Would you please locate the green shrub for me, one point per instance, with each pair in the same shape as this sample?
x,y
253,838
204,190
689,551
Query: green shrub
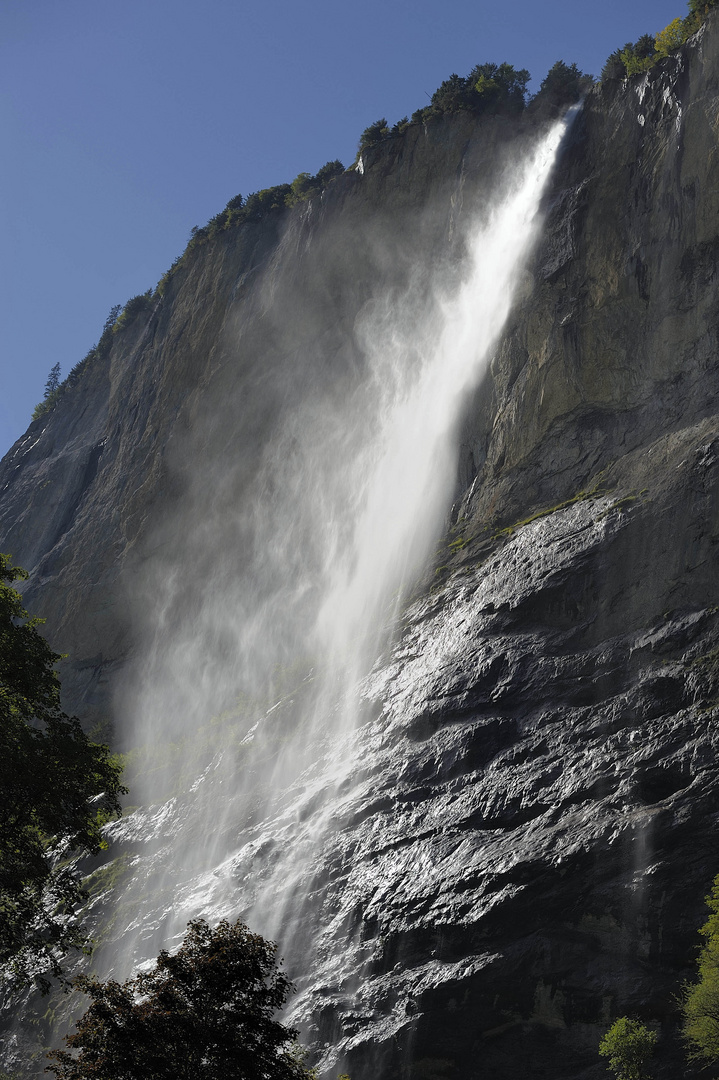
x,y
302,187
329,172
253,208
670,38
636,58
266,201
45,405
700,1000
629,1045
135,306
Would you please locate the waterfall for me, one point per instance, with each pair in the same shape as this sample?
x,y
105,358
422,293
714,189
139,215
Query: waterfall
x,y
276,588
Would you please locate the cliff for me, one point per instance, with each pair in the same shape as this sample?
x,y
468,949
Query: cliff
x,y
523,848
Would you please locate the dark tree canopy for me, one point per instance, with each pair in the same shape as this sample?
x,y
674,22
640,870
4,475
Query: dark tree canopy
x,y
564,84
374,133
329,171
205,1012
53,381
500,85
700,1000
488,88
57,789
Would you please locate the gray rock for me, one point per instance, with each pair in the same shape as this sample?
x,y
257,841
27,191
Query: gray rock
x,y
523,852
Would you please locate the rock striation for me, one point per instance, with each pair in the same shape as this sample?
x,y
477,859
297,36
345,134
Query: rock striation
x,y
523,853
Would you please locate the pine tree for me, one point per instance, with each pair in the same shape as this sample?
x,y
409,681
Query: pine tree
x,y
53,381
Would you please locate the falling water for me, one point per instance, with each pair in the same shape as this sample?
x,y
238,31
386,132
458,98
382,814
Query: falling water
x,y
286,570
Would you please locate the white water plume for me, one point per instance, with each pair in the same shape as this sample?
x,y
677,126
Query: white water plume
x,y
291,554
405,478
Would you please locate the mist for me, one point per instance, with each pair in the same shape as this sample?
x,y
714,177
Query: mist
x,y
314,483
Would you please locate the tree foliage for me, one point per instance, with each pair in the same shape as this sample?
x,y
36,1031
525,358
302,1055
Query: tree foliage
x,y
135,306
491,88
488,88
205,1012
700,1000
629,1045
500,86
255,207
52,392
57,789
633,59
564,84
374,133
117,320
670,38
53,381
112,317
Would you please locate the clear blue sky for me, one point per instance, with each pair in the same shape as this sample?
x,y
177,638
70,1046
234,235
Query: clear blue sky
x,y
125,123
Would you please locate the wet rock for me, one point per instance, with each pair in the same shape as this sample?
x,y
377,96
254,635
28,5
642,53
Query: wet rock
x,y
520,849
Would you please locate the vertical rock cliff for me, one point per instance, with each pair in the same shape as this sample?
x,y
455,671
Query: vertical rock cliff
x,y
522,850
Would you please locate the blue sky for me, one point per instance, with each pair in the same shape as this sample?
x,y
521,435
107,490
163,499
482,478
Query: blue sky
x,y
126,123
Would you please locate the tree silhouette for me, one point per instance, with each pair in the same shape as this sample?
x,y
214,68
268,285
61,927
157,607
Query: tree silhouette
x,y
203,1013
53,381
56,790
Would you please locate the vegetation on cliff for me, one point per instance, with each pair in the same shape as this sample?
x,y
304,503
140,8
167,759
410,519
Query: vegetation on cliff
x,y
700,1000
119,319
240,210
629,1045
205,1011
639,56
57,789
488,89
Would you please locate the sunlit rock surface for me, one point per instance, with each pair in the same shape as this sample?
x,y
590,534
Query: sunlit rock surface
x,y
524,824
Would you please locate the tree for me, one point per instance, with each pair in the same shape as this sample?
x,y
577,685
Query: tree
x,y
53,381
488,87
614,68
302,187
500,85
203,1013
57,789
628,1045
644,47
266,201
637,62
113,316
564,84
670,38
454,94
700,1000
329,171
374,133
135,306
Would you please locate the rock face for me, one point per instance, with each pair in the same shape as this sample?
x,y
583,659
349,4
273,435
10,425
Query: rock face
x,y
523,852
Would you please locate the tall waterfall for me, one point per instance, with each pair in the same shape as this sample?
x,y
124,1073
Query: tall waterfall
x,y
272,594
